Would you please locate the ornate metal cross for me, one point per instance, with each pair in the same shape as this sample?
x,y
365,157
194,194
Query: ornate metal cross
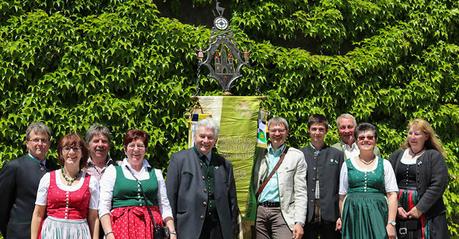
x,y
222,57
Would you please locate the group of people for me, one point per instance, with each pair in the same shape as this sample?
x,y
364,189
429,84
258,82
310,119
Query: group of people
x,y
92,196
345,190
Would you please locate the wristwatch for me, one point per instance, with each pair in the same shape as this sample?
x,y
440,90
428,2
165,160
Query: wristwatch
x,y
392,222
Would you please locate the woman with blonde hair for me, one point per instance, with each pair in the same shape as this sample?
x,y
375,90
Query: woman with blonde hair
x,y
422,177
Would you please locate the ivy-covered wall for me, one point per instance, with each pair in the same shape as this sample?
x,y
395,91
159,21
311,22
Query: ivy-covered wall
x,y
127,64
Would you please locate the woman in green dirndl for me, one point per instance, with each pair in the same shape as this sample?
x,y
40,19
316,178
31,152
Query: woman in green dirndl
x,y
368,191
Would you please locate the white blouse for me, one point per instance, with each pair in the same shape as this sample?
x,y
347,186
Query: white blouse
x,y
107,184
390,181
408,159
42,192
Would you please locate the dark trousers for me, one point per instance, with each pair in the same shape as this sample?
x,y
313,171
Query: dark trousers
x,y
322,230
211,229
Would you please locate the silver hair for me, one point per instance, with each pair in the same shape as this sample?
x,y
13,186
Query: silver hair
x,y
37,127
278,120
211,124
96,129
346,116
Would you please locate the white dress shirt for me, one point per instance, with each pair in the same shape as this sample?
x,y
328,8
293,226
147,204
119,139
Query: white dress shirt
x,y
351,151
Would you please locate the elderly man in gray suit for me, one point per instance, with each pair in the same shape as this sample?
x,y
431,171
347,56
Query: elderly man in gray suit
x,y
201,189
281,188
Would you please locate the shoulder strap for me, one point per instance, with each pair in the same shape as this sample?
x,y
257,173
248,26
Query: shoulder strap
x,y
152,219
263,185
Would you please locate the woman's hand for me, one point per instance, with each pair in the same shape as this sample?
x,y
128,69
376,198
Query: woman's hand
x,y
170,225
110,236
401,213
391,231
414,213
37,218
338,225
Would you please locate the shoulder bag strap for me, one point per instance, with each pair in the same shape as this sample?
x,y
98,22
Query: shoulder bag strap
x,y
263,185
152,219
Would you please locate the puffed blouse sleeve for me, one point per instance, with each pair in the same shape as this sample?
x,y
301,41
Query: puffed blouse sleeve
x,y
343,180
42,192
107,183
390,181
164,205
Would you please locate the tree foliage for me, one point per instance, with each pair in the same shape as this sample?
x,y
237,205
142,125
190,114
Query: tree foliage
x,y
127,65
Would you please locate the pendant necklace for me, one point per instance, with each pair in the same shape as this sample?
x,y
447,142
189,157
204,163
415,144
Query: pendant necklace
x,y
417,153
71,179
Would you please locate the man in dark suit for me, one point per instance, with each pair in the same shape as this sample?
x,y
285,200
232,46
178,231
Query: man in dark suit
x,y
201,189
324,165
19,181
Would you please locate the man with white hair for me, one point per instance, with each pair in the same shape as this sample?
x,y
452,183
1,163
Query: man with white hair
x,y
346,124
201,189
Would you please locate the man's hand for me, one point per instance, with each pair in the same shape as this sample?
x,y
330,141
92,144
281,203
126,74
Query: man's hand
x,y
297,231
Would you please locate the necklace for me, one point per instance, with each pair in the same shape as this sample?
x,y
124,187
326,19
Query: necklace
x,y
70,180
417,153
366,162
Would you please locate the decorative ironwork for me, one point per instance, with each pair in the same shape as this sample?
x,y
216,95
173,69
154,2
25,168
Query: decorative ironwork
x,y
222,58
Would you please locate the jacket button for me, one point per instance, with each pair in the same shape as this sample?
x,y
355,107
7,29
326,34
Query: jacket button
x,y
202,216
204,203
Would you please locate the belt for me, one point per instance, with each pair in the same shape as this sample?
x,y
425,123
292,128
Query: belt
x,y
269,204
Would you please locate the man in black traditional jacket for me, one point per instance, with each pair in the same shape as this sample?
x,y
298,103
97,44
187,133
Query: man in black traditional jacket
x,y
324,165
19,181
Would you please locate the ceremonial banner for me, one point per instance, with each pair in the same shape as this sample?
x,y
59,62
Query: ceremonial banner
x,y
262,144
237,117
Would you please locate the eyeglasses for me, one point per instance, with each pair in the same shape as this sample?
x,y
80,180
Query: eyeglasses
x,y
277,130
133,145
416,133
68,148
369,137
38,140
